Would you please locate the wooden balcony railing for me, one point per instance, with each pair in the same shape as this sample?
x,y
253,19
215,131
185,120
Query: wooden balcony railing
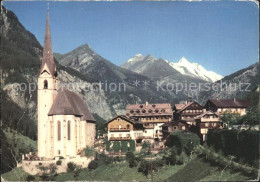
x,y
120,138
119,129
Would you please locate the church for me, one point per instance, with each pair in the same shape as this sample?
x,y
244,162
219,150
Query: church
x,y
65,125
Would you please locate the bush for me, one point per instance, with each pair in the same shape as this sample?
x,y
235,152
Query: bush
x,y
144,167
71,167
132,160
108,146
58,162
89,152
124,146
30,178
182,158
146,145
116,146
132,145
184,141
170,156
93,165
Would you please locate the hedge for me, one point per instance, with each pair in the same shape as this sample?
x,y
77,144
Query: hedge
x,y
244,145
123,146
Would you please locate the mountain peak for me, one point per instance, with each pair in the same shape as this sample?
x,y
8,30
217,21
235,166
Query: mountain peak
x,y
183,60
137,57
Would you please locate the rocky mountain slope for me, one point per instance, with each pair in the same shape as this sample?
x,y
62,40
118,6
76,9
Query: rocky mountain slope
x,y
20,61
183,68
235,85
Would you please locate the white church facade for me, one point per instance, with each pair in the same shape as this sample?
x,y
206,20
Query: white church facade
x,y
65,125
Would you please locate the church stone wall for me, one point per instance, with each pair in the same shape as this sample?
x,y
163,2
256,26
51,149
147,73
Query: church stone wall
x,y
32,167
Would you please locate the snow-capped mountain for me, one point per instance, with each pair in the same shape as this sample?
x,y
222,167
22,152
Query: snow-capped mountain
x,y
194,69
139,63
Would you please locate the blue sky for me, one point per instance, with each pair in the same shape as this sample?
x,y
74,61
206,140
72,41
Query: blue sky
x,y
221,36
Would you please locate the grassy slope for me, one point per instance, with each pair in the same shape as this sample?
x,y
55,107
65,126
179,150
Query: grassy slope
x,y
199,170
196,169
22,141
119,172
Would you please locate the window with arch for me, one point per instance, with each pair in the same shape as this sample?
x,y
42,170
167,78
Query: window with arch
x,y
59,128
45,84
68,130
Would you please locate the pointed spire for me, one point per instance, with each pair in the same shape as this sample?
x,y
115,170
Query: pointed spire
x,y
47,57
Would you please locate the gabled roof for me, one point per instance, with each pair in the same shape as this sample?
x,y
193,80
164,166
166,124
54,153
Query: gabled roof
x,y
187,105
70,103
230,103
206,113
125,118
179,106
47,57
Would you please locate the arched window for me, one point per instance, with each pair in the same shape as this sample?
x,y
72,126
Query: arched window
x,y
45,84
68,130
59,128
128,126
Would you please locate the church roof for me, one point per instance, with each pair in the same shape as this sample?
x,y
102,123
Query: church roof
x,y
47,57
70,103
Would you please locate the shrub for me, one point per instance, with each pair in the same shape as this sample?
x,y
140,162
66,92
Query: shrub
x,y
182,158
89,152
144,167
30,178
58,162
71,167
93,165
132,160
183,141
116,146
132,145
124,146
146,145
108,146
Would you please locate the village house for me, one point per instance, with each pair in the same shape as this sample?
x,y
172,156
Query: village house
x,y
123,128
207,120
187,111
153,116
220,106
172,126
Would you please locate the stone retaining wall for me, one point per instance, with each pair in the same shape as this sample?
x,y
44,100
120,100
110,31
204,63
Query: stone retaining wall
x,y
32,167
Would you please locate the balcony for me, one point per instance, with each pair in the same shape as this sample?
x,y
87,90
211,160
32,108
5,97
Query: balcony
x,y
120,138
148,127
119,129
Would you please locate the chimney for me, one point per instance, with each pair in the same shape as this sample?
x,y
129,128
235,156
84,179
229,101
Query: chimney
x,y
146,103
204,110
235,99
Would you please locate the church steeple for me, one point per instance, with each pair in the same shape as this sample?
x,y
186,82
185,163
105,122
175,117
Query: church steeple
x,y
47,58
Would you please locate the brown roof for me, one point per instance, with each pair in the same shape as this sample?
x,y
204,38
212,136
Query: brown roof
x,y
179,106
230,103
206,113
47,57
187,105
149,109
70,103
125,118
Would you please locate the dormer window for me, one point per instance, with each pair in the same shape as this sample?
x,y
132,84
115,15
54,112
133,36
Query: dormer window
x,y
141,106
45,84
143,110
153,105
